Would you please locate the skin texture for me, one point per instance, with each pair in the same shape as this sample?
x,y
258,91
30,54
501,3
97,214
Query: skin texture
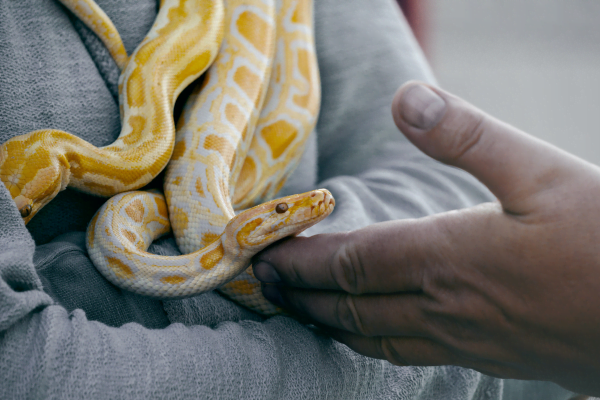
x,y
508,288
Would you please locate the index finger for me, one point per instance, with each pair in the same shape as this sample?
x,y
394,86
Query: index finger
x,y
396,256
382,258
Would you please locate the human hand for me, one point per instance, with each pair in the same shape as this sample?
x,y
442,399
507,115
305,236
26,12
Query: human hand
x,y
511,289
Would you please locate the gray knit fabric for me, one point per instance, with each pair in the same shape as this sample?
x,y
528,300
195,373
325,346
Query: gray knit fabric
x,y
65,332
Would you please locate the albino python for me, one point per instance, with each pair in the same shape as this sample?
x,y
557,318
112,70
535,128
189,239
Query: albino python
x,y
242,131
228,129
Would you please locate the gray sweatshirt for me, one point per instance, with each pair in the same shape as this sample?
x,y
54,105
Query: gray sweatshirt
x,y
65,332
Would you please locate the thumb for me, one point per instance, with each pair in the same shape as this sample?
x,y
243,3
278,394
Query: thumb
x,y
512,164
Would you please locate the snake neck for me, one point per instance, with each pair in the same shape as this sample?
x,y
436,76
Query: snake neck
x,y
121,231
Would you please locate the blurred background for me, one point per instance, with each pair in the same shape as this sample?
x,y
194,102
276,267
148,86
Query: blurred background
x,y
533,63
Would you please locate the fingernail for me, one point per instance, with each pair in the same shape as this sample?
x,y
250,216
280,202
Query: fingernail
x,y
265,272
273,294
421,107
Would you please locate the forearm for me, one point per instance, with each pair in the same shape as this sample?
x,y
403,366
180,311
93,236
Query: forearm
x,y
56,354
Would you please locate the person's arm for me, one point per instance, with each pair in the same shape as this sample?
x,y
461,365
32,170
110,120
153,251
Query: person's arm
x,y
509,288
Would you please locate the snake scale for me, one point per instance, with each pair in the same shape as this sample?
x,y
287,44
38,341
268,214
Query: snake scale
x,y
240,136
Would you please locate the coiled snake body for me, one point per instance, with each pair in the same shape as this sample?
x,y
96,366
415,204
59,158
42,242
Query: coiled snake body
x,y
36,166
241,134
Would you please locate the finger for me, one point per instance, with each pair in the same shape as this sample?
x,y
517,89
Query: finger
x,y
509,162
403,351
389,257
367,315
419,351
383,258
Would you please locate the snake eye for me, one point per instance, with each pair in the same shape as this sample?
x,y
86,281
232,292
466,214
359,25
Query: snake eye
x,y
281,208
25,211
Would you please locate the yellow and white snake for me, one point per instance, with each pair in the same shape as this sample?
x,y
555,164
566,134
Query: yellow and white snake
x,y
240,136
36,166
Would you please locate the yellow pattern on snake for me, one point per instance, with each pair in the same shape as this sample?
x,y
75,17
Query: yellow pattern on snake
x,y
290,111
181,45
287,118
213,136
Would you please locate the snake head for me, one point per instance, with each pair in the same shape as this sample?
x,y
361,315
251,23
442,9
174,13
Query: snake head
x,y
258,227
32,171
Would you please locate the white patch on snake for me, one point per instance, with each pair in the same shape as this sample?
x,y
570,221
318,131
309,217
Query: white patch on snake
x,y
275,87
85,8
289,26
203,114
295,90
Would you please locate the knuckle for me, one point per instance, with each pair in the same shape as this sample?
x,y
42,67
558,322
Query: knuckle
x,y
348,270
458,327
349,317
292,274
391,351
296,300
468,136
416,352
